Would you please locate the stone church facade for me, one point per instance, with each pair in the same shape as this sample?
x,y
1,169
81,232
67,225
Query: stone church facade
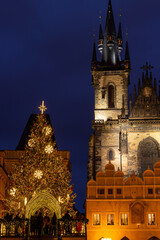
x,y
126,128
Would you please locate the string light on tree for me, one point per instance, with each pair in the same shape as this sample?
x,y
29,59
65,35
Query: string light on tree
x,y
47,130
31,142
38,174
12,192
49,149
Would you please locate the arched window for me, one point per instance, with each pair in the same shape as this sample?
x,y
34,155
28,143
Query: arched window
x,y
111,157
147,153
111,90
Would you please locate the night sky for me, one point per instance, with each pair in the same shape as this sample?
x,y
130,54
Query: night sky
x,y
45,54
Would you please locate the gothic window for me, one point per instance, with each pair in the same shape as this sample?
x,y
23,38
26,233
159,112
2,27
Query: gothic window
x,y
103,93
110,155
147,153
111,92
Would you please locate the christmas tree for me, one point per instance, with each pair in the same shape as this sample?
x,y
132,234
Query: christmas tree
x,y
40,165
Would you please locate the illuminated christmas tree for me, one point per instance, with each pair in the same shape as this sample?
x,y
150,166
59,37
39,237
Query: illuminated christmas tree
x,y
40,167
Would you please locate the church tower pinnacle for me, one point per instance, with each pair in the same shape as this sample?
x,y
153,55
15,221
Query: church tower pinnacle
x,y
110,79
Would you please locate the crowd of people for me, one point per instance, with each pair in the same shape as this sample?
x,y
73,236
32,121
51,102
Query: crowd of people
x,y
43,224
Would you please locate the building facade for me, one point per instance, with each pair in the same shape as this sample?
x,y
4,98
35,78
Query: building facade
x,y
126,128
124,208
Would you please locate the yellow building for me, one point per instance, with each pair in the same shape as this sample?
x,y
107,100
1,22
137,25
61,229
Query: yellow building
x,y
123,208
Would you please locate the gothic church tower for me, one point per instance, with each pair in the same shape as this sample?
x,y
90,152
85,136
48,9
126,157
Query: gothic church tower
x,y
129,138
110,79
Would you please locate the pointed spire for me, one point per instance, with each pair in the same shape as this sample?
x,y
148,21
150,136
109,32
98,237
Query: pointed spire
x,y
135,93
143,80
94,57
127,57
130,103
110,25
139,85
159,90
100,42
155,85
100,30
119,37
120,30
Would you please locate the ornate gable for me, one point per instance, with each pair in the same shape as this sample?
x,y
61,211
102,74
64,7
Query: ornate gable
x,y
146,102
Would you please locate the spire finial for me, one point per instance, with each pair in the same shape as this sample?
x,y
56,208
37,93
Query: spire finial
x,y
126,34
42,108
147,67
120,14
100,17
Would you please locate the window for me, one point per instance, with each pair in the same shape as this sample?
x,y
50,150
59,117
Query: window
x,y
110,155
110,191
124,219
110,219
150,190
119,191
103,93
151,219
158,190
96,219
111,96
101,191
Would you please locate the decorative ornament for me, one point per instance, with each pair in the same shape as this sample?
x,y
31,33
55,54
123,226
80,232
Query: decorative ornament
x,y
147,92
60,200
38,174
31,142
25,201
12,192
49,149
47,130
42,108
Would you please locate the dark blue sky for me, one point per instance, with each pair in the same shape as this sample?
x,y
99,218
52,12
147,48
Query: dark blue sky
x,y
45,54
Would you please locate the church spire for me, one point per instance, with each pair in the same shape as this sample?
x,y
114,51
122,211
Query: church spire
x,y
94,57
100,41
119,36
111,51
127,56
110,25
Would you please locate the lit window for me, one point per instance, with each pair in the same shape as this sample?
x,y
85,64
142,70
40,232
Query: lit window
x,y
110,219
150,190
96,219
119,191
158,190
124,219
101,191
110,191
151,219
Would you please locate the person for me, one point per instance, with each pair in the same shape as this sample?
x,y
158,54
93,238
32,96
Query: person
x,y
39,224
46,224
54,224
